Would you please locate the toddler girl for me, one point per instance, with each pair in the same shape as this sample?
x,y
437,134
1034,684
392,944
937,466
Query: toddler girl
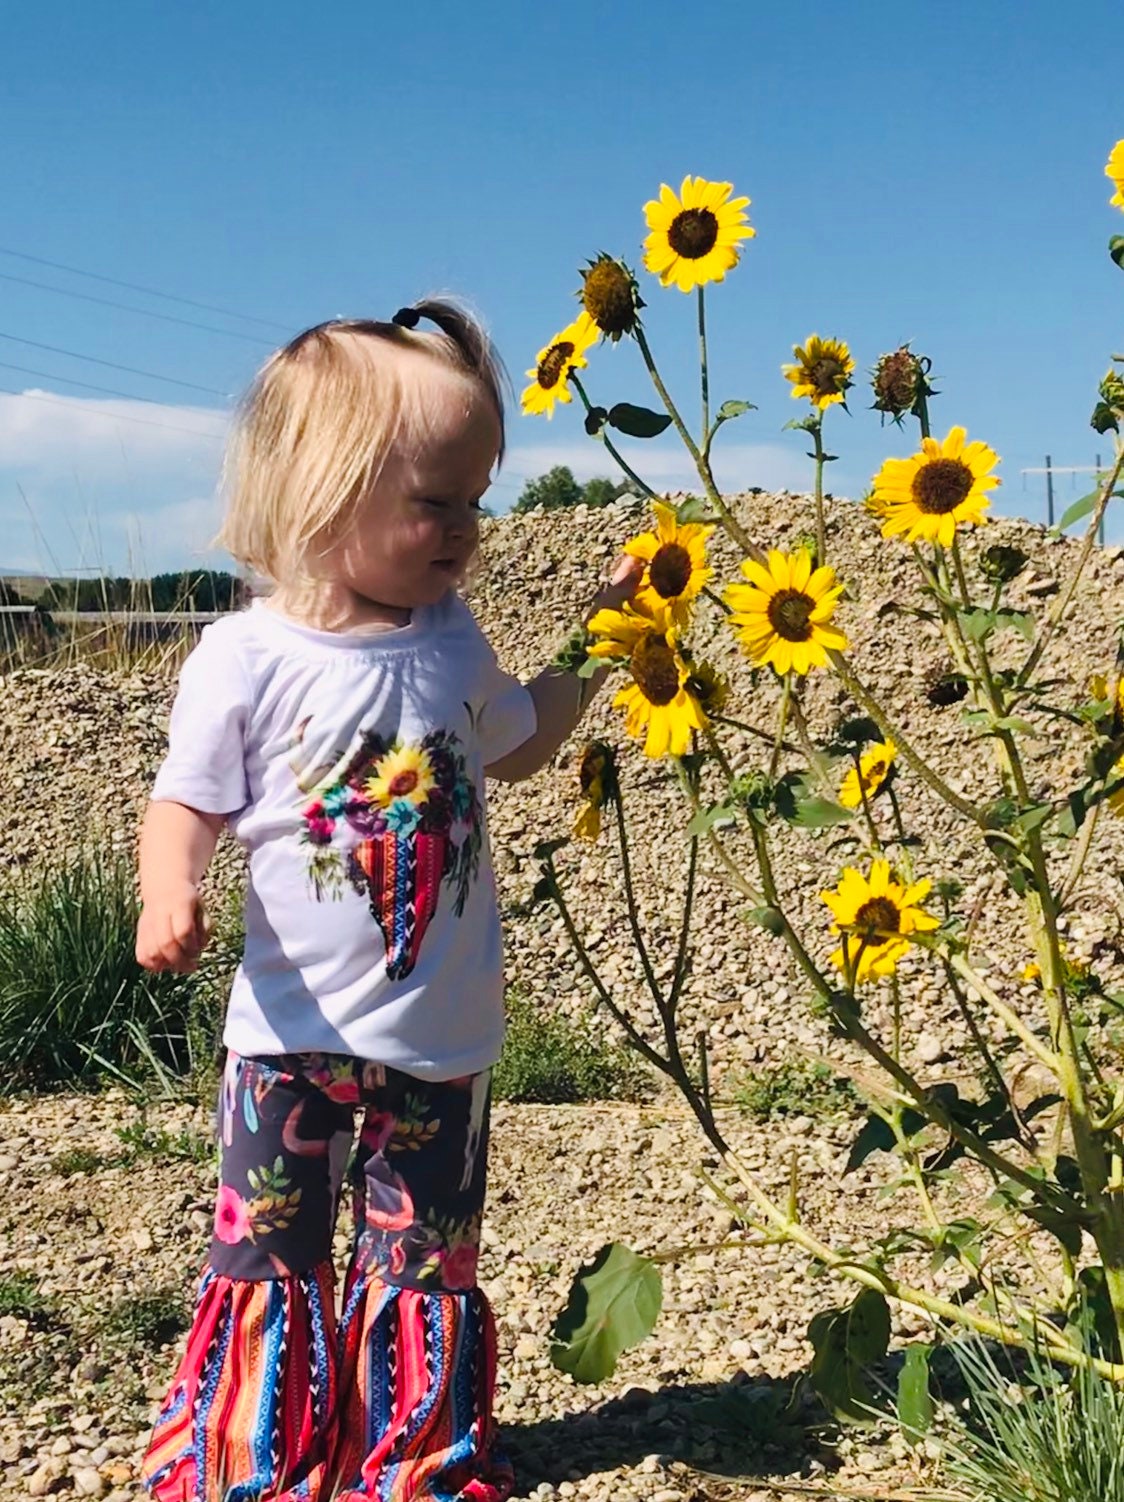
x,y
343,728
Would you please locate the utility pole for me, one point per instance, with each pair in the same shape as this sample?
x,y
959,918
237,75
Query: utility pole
x,y
1049,493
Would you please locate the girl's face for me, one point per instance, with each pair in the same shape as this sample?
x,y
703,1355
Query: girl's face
x,y
412,538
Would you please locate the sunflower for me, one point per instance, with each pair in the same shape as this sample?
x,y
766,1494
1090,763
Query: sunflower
x,y
566,352
870,912
676,559
694,235
937,490
658,703
781,616
1115,170
865,779
822,371
405,774
709,687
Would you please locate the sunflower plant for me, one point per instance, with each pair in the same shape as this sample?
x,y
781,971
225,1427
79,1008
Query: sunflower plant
x,y
890,916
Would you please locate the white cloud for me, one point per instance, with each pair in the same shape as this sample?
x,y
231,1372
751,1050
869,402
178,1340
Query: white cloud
x,y
114,485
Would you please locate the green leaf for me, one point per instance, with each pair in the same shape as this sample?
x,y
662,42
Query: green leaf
x,y
694,509
845,1342
977,624
1116,250
1078,511
766,917
638,422
806,810
711,818
915,1402
1015,620
614,1304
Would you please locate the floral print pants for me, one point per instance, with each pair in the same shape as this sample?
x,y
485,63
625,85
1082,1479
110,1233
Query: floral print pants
x,y
278,1396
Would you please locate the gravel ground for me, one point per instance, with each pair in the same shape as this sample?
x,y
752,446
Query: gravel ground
x,y
79,1388
78,739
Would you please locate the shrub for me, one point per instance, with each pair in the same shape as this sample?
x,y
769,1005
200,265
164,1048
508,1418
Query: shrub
x,y
558,488
75,1007
148,1319
553,1060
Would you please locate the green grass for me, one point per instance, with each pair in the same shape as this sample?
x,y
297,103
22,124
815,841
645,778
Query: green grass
x,y
797,1088
1033,1432
549,1058
138,1142
75,1007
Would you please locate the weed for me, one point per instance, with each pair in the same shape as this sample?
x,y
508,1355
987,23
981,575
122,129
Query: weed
x,y
798,1088
147,1319
20,1295
550,1058
75,1160
143,1141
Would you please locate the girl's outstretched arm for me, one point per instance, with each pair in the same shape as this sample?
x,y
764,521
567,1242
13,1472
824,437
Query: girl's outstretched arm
x,y
176,846
561,698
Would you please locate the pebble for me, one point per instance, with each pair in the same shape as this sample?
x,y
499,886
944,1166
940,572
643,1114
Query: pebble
x,y
89,1483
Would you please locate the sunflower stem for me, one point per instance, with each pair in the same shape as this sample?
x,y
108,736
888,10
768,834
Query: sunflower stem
x,y
1061,604
921,408
704,375
821,530
645,488
702,463
890,732
782,721
633,914
816,759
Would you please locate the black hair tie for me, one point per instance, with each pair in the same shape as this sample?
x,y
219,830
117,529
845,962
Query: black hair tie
x,y
406,318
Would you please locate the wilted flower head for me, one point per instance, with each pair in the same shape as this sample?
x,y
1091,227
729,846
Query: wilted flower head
x,y
1000,563
900,382
610,296
943,687
597,775
1110,409
709,687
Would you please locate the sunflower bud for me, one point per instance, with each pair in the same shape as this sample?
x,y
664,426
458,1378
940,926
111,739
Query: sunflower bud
x,y
1109,410
610,296
1000,564
900,383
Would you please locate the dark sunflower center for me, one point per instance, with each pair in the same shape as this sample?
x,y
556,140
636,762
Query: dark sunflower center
x,y
403,783
790,614
670,570
693,233
825,375
940,485
878,916
553,363
655,670
607,297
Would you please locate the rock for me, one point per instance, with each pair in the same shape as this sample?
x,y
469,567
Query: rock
x,y
930,1049
89,1483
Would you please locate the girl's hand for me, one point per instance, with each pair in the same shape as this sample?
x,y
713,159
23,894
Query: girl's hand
x,y
623,583
173,930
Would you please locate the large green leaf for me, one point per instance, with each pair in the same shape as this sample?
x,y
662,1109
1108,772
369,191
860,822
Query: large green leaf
x,y
1079,510
846,1342
638,422
613,1305
915,1402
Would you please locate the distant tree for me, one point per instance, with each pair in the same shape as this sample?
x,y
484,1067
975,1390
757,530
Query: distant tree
x,y
602,492
196,589
9,594
558,488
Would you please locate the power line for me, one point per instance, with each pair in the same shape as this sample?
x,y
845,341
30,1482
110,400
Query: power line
x,y
105,302
49,375
144,422
112,281
150,375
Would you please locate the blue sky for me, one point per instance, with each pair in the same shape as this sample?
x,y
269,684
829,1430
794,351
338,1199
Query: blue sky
x,y
926,172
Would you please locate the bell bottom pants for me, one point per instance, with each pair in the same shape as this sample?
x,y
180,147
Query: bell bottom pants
x,y
277,1396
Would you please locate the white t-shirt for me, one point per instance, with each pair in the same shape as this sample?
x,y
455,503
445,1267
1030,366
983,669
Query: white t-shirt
x,y
351,766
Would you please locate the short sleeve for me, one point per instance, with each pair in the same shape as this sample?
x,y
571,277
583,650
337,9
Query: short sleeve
x,y
205,765
508,717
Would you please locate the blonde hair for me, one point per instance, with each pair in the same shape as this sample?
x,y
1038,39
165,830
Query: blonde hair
x,y
312,433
